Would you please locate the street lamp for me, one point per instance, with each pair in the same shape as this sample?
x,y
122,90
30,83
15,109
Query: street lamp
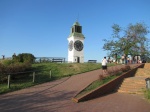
x,y
116,57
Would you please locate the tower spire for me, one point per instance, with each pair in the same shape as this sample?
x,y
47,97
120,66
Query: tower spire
x,y
77,18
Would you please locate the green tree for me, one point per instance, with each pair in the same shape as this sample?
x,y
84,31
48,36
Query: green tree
x,y
131,40
24,57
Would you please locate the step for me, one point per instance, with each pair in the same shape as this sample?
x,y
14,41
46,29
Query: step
x,y
147,65
131,92
133,82
133,86
143,72
141,69
135,79
136,84
144,75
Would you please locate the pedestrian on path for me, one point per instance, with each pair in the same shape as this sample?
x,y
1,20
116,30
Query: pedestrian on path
x,y
104,65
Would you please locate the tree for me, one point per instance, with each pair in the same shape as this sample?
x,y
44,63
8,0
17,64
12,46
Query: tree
x,y
131,40
24,57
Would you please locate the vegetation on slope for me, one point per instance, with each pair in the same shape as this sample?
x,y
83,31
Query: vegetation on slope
x,y
42,74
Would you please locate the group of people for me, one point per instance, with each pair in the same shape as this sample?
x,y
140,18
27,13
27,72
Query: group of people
x,y
105,61
131,60
125,60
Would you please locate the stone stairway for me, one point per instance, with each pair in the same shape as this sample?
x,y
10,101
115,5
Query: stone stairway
x,y
136,84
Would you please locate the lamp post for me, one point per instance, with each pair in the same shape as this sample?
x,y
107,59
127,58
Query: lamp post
x,y
116,57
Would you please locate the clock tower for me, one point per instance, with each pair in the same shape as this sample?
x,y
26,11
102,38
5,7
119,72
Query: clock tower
x,y
76,44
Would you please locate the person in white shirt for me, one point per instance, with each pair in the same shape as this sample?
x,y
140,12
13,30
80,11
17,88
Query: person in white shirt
x,y
104,65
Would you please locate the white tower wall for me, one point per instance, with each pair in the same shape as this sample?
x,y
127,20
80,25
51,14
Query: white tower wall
x,y
75,56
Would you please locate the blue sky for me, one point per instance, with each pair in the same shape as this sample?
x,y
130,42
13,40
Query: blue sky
x,y
41,27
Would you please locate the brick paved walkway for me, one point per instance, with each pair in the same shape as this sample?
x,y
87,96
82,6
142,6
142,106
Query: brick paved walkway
x,y
56,97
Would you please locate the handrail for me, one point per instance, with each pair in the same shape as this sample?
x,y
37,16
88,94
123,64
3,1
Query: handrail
x,y
9,75
25,72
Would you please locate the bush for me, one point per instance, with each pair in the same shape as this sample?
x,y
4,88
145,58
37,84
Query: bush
x,y
12,68
18,67
126,68
2,68
7,62
2,71
24,57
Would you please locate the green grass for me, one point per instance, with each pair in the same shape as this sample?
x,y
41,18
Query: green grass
x,y
59,70
94,85
14,87
147,94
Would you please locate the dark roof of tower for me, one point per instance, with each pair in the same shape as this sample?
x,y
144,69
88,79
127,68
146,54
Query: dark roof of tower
x,y
76,23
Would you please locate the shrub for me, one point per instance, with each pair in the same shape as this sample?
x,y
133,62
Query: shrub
x,y
114,70
18,67
126,68
2,67
2,75
118,69
13,68
7,62
24,57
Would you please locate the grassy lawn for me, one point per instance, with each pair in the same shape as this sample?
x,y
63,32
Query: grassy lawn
x,y
66,69
42,74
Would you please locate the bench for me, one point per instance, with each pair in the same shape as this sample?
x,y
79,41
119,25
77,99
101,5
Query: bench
x,y
92,61
50,59
57,60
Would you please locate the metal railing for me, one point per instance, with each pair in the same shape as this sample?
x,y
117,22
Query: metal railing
x,y
50,59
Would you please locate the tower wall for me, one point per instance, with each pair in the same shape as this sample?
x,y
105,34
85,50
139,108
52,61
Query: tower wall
x,y
76,55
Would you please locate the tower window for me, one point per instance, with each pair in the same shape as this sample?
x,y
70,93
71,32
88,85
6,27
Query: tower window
x,y
77,29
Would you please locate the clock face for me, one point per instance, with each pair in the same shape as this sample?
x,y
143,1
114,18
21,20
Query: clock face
x,y
78,45
71,45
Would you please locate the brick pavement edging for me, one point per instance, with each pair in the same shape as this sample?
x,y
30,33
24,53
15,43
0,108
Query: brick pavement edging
x,y
106,88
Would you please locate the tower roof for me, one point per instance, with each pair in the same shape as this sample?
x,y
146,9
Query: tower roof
x,y
76,30
76,23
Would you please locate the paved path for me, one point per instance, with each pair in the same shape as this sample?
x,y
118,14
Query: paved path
x,y
56,97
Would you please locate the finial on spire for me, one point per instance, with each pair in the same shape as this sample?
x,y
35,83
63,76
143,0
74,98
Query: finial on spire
x,y
77,17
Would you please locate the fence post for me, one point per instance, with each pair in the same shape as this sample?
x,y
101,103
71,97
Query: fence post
x,y
8,81
50,74
33,76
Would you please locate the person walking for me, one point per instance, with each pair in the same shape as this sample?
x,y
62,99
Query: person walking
x,y
104,65
122,59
